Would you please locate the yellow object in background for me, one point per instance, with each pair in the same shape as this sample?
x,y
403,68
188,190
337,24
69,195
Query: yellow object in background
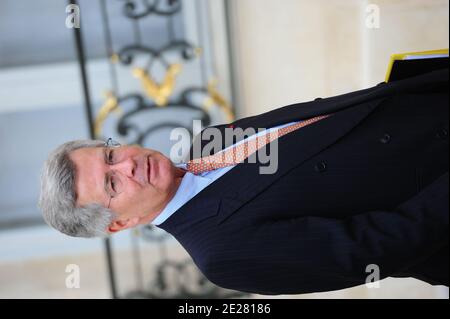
x,y
409,64
160,93
111,105
215,98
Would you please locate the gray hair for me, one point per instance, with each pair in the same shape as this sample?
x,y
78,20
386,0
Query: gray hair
x,y
57,200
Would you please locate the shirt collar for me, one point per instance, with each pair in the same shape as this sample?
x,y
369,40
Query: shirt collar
x,y
190,186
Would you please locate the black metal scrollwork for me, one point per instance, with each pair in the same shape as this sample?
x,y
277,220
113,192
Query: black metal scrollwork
x,y
137,135
158,7
172,278
181,280
177,279
184,48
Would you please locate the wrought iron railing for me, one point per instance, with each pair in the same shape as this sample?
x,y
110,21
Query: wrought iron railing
x,y
152,97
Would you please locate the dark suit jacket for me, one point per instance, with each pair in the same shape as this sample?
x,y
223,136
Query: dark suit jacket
x,y
366,186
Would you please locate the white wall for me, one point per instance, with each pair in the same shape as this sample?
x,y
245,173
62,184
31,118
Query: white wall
x,y
405,26
296,50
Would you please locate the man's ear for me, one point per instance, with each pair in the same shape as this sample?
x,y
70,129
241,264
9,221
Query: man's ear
x,y
119,225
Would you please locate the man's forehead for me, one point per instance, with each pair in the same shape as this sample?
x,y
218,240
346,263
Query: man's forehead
x,y
89,175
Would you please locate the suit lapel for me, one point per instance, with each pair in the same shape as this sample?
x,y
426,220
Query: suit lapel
x,y
244,182
425,83
430,82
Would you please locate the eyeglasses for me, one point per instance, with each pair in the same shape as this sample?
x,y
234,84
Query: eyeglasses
x,y
113,183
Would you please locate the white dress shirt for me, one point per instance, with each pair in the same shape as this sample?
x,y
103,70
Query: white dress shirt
x,y
191,185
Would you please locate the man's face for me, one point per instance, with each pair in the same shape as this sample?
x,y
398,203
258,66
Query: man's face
x,y
148,181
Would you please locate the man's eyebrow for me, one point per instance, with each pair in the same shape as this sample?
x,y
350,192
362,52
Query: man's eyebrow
x,y
105,179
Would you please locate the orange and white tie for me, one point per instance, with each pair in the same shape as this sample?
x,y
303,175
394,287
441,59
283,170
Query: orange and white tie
x,y
241,152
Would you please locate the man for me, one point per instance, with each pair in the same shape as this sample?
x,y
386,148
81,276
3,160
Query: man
x,y
360,190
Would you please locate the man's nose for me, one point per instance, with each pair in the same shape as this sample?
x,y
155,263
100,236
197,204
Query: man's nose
x,y
127,167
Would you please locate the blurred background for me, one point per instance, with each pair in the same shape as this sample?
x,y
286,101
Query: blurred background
x,y
134,70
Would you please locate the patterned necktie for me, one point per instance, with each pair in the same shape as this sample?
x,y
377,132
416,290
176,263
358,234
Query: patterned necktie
x,y
241,152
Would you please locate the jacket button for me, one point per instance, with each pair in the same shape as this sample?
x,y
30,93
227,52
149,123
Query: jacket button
x,y
321,167
386,139
442,134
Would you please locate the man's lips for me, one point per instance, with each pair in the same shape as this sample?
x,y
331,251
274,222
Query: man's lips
x,y
148,170
152,170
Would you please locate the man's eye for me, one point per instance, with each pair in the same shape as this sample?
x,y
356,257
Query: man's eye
x,y
113,185
111,157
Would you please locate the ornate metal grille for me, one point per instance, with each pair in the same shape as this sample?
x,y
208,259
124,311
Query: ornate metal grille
x,y
173,279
